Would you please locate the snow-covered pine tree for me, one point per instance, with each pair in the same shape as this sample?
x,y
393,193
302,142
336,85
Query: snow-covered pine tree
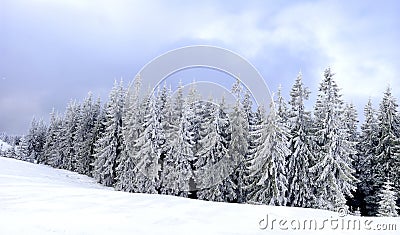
x,y
178,105
184,135
11,152
108,148
85,135
216,163
67,138
253,138
207,133
132,127
166,129
387,202
194,116
238,147
300,182
99,130
256,140
52,143
194,103
35,141
23,149
18,149
15,144
269,167
368,141
146,156
177,163
333,170
175,113
387,154
281,107
350,120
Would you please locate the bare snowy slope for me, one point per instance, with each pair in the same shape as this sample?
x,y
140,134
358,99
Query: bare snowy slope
x,y
36,199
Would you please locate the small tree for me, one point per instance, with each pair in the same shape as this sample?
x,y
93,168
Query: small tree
x,y
387,204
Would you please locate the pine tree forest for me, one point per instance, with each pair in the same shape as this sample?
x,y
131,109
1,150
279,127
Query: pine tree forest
x,y
204,148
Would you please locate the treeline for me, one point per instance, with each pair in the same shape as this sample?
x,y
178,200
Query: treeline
x,y
185,146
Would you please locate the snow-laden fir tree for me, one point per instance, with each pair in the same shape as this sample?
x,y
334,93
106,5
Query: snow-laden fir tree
x,y
109,146
166,126
22,150
350,120
35,140
282,111
177,170
132,116
256,126
333,171
18,149
269,165
238,146
217,164
175,127
300,181
207,133
11,152
387,154
86,135
68,139
281,107
193,102
368,141
100,129
147,155
52,143
387,202
132,127
254,120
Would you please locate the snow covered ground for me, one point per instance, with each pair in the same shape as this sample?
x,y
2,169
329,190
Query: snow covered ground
x,y
36,199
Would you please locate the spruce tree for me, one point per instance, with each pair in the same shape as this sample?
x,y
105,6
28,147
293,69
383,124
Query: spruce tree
x,y
300,182
269,166
238,146
217,164
368,141
387,202
177,170
68,138
52,143
147,156
35,140
333,170
85,135
108,148
386,163
350,120
132,127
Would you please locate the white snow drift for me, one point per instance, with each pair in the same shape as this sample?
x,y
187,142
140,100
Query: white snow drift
x,y
37,199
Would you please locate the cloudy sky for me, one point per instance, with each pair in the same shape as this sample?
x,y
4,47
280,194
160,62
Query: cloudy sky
x,y
54,51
